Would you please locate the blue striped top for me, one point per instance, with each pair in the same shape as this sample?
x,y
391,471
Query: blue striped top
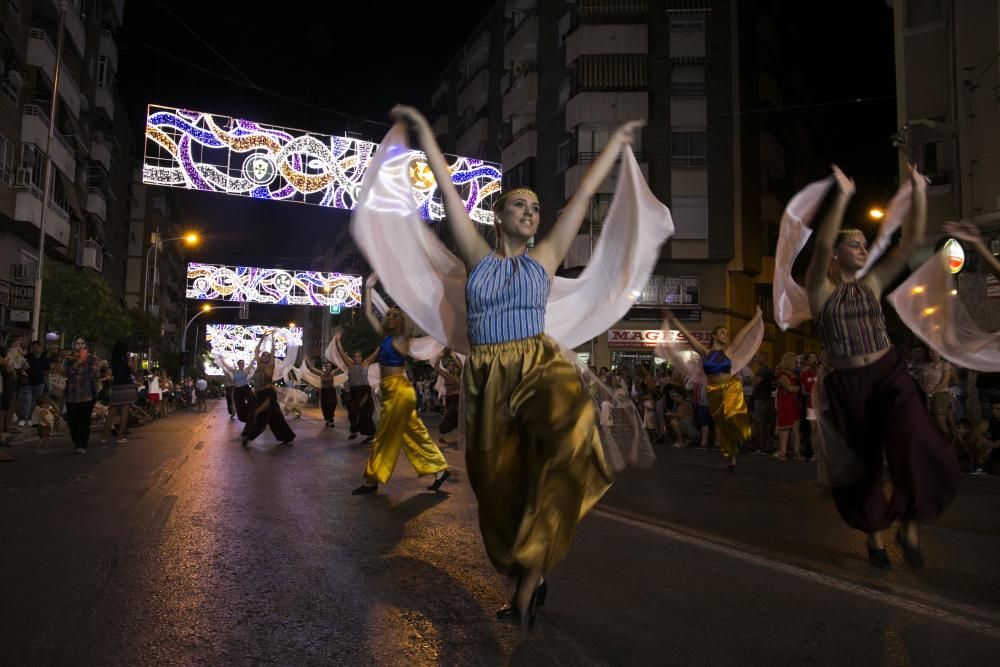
x,y
505,298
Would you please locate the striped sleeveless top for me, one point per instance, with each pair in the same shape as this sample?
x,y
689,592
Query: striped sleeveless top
x,y
851,322
505,298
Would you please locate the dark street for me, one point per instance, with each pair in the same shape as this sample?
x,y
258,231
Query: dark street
x,y
180,547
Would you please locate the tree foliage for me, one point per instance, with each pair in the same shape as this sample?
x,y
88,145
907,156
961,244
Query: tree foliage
x,y
356,333
77,302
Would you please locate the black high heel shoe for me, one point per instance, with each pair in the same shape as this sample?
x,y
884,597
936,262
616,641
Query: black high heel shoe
x,y
509,612
911,553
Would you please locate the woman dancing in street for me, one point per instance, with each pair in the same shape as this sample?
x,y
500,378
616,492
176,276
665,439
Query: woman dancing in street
x,y
725,390
399,426
361,402
327,391
533,454
266,412
873,403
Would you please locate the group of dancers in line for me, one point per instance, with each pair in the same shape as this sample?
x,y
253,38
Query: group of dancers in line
x,y
534,454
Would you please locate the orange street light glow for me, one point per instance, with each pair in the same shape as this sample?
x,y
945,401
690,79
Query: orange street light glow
x,y
206,308
191,238
876,213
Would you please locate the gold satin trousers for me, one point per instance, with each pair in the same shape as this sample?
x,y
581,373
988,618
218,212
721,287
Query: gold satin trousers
x,y
729,412
533,452
400,427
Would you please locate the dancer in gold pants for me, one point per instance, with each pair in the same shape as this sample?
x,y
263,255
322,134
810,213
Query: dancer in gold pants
x,y
399,426
725,390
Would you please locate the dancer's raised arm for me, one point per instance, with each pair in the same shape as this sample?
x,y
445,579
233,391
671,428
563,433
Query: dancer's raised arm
x,y
340,350
971,234
818,284
694,343
550,251
472,247
887,269
370,308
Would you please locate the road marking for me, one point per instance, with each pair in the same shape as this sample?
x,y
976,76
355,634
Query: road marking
x,y
815,577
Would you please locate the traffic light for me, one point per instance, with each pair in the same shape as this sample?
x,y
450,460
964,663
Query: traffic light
x,y
335,310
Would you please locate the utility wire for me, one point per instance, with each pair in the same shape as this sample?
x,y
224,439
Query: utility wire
x,y
203,41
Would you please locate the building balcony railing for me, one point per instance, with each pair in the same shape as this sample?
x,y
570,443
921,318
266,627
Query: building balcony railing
x,y
522,40
108,48
97,203
35,130
610,11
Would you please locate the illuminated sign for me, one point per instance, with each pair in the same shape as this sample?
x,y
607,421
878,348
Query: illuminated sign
x,y
202,151
955,254
633,339
235,342
248,284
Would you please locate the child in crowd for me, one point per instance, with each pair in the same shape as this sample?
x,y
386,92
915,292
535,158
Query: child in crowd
x,y
46,423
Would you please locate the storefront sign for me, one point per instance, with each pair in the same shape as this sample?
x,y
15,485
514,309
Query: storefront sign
x,y
4,293
20,316
22,297
637,339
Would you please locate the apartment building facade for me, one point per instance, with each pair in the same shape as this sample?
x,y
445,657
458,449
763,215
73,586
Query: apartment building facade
x,y
948,110
552,80
87,213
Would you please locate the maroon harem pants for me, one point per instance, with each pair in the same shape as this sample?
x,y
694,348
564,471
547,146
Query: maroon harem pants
x,y
879,407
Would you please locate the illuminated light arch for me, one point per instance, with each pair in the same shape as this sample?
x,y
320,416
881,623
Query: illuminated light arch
x,y
247,284
214,153
235,342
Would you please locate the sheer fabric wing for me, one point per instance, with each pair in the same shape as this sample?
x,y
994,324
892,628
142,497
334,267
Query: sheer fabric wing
x,y
929,305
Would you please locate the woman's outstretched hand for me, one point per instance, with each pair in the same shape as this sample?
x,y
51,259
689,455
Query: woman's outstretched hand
x,y
844,184
627,131
413,118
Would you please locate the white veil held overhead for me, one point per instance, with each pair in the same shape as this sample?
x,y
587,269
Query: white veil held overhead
x,y
428,281
791,303
929,306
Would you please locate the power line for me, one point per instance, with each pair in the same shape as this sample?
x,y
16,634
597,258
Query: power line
x,y
202,40
273,93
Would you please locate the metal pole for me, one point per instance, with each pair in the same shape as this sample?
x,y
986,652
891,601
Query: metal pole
x,y
184,339
145,271
37,305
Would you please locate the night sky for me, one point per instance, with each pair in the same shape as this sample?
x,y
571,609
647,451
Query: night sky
x,y
331,67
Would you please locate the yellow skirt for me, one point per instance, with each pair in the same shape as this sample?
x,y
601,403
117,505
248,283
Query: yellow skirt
x,y
729,412
400,427
534,457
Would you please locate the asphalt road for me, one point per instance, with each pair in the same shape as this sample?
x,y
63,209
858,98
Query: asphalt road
x,y
182,548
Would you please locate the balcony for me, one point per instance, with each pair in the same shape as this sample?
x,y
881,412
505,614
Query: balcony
x,y
523,146
521,96
574,174
606,40
522,41
109,49
35,130
42,54
97,203
475,92
472,141
605,108
74,27
101,152
104,100
91,255
28,208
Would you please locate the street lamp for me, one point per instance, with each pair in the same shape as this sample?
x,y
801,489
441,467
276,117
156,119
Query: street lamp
x,y
189,239
876,213
205,307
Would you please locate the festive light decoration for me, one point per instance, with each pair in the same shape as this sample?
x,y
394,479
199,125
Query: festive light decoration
x,y
234,342
202,151
249,284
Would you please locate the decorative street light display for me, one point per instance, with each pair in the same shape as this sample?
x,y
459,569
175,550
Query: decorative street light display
x,y
249,284
202,151
234,342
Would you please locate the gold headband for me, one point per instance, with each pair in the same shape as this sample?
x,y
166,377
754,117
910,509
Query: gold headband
x,y
514,192
845,232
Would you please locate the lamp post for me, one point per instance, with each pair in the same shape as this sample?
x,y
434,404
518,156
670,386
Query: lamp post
x,y
189,239
47,184
204,309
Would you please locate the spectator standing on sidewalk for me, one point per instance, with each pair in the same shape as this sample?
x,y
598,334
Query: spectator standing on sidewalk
x,y
37,365
787,403
200,393
763,402
122,395
8,387
81,371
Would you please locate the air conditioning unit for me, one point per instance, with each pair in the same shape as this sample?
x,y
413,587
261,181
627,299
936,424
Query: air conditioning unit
x,y
23,178
22,273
